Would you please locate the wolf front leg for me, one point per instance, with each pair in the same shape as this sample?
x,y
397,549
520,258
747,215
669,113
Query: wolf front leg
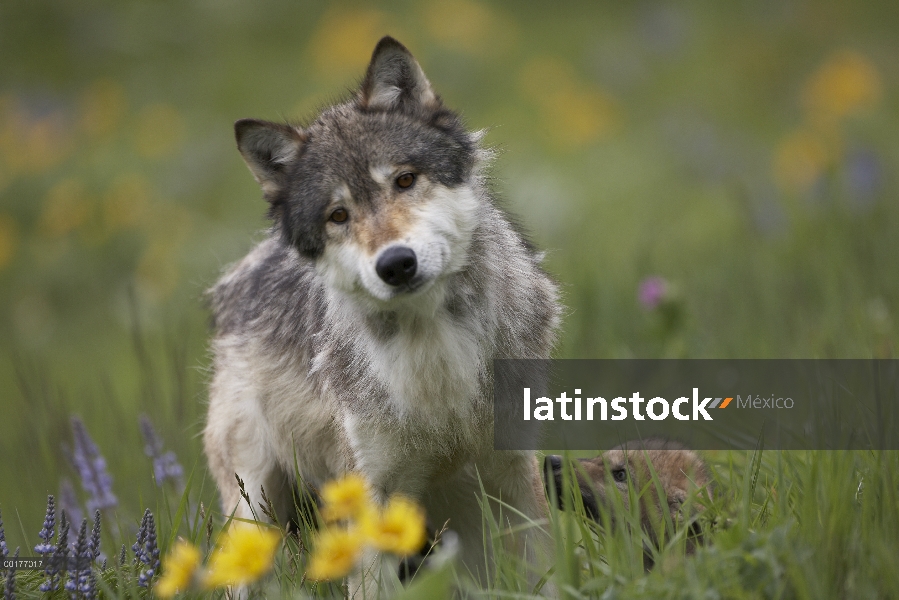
x,y
513,483
383,454
496,508
237,445
391,466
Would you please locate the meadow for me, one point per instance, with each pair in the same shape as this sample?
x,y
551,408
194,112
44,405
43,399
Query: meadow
x,y
739,159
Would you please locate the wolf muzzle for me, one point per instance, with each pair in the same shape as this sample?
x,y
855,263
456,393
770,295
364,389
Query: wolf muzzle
x,y
553,484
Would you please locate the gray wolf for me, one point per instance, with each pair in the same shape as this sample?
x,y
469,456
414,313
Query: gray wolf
x,y
360,334
627,470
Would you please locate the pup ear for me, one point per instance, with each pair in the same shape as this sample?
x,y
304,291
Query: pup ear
x,y
394,80
268,148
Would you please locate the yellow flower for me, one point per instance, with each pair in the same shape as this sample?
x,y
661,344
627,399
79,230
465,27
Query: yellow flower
x,y
244,555
344,498
344,37
178,568
467,26
399,528
574,114
801,158
67,207
845,84
336,552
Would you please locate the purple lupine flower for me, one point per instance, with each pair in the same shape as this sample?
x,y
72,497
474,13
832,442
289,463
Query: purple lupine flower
x,y
47,531
87,584
9,590
90,588
93,544
68,501
153,547
165,464
138,546
122,556
149,551
78,577
60,554
91,467
864,176
652,292
4,551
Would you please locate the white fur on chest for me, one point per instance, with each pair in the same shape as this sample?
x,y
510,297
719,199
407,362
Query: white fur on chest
x,y
430,368
429,363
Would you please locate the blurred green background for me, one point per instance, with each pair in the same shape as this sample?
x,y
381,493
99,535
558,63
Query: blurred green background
x,y
742,155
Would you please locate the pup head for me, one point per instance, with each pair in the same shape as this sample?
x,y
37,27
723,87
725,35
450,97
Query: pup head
x,y
381,191
625,470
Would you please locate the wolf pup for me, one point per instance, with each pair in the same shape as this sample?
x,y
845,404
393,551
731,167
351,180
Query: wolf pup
x,y
681,472
360,335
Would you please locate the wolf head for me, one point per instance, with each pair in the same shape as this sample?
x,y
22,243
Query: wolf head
x,y
629,470
381,191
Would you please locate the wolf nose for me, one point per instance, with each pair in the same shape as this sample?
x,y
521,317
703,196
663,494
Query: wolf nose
x,y
397,265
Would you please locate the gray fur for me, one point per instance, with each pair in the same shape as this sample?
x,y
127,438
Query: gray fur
x,y
303,373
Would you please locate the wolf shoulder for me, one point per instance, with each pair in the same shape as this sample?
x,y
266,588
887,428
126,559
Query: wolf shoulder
x,y
271,285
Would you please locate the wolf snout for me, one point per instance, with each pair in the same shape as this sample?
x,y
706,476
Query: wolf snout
x,y
397,265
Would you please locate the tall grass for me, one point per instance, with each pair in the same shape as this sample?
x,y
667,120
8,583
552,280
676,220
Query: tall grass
x,y
781,525
817,524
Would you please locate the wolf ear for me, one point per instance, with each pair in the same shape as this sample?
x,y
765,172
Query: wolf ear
x,y
268,148
394,80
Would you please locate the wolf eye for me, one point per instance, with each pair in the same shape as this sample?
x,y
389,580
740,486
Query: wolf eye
x,y
339,215
405,180
619,475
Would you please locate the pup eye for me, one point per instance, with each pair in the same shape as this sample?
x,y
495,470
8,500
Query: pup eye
x,y
619,475
405,180
339,215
